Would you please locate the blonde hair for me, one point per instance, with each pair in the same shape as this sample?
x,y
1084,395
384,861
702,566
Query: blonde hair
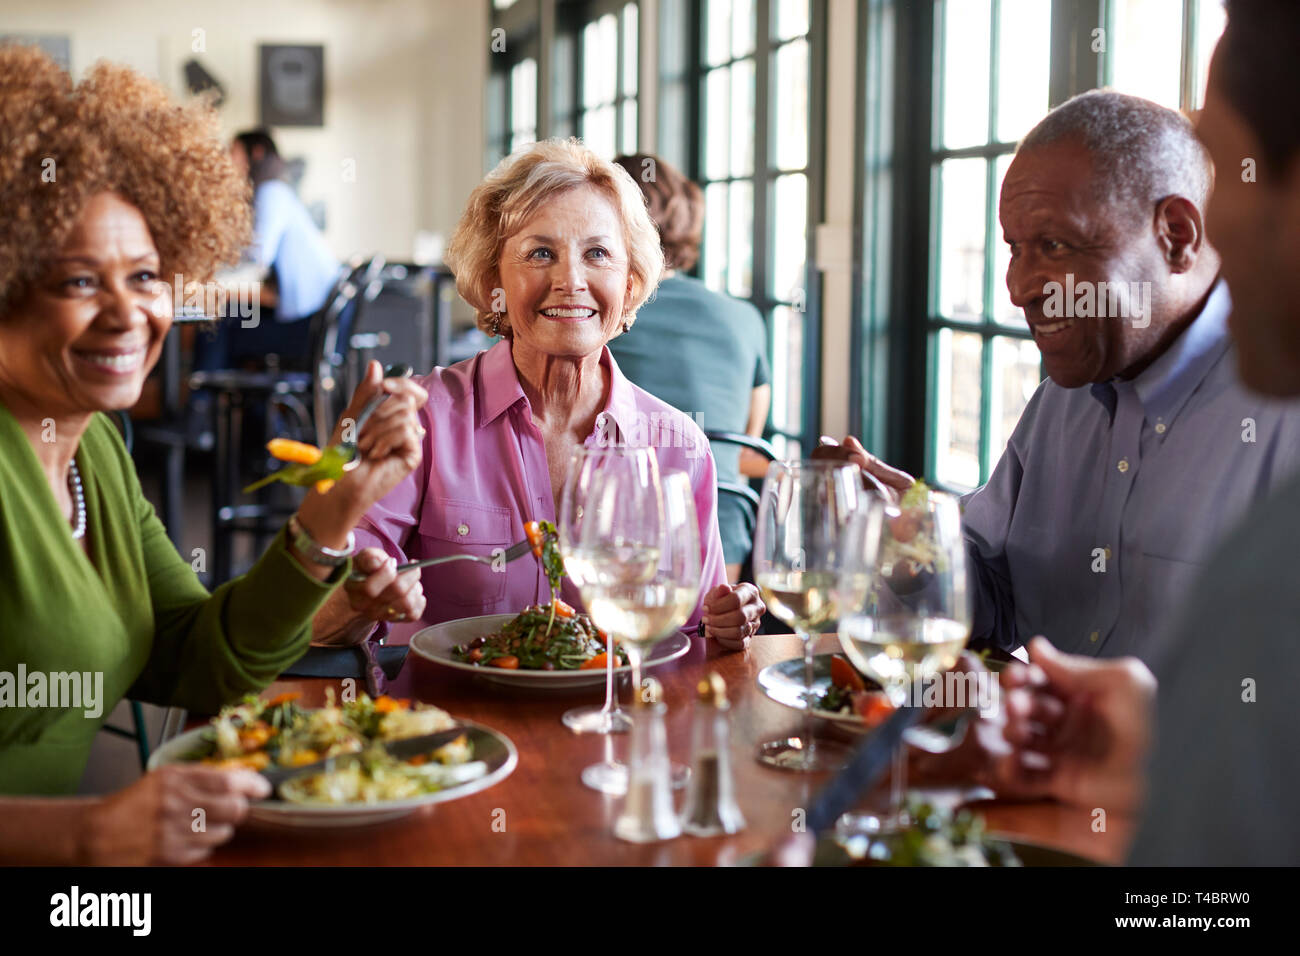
x,y
513,192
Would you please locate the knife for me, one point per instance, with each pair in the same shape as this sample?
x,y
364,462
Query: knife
x,y
403,749
867,765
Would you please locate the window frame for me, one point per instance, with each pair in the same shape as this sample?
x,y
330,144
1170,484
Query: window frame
x,y
764,176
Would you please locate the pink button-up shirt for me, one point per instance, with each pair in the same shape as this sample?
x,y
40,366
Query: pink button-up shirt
x,y
485,473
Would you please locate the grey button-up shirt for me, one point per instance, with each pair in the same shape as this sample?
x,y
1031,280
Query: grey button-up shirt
x,y
1108,499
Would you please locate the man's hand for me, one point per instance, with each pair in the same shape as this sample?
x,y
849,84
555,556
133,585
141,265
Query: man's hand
x,y
1079,729
732,614
890,481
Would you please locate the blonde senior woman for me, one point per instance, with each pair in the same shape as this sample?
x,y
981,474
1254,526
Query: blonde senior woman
x,y
556,252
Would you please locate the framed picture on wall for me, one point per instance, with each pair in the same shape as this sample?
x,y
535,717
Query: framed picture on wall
x,y
292,84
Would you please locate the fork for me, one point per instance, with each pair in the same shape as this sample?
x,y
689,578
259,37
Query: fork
x,y
400,370
510,554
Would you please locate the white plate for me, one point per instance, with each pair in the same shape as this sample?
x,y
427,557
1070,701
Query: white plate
x,y
435,644
490,746
783,682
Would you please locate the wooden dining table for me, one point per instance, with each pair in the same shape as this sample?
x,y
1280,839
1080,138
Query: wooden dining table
x,y
542,814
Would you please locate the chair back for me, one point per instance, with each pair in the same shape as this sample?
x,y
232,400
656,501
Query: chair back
x,y
331,334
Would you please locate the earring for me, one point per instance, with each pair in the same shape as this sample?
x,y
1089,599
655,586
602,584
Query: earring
x,y
627,326
496,324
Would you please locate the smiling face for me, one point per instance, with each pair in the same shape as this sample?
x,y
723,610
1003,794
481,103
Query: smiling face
x,y
1055,225
86,335
1255,223
566,276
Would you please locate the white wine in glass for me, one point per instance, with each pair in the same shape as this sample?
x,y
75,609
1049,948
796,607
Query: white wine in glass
x,y
644,550
916,624
804,512
587,464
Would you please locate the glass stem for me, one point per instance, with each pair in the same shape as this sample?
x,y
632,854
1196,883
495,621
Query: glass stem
x,y
610,706
808,637
898,785
634,658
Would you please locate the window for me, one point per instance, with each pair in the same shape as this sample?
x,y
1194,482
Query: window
x,y
754,148
991,86
1152,54
608,119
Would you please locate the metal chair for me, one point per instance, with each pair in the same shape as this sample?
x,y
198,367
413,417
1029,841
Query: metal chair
x,y
742,489
307,400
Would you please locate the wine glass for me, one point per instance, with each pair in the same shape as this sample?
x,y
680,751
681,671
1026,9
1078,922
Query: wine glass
x,y
640,549
805,509
915,623
586,464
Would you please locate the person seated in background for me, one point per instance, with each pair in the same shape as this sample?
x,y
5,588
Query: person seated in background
x,y
556,253
1142,447
93,596
702,352
288,258
1221,761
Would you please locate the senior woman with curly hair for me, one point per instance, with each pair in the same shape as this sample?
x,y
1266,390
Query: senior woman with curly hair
x,y
105,188
555,252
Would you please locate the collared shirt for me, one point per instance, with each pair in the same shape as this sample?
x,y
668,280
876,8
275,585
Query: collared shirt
x,y
285,237
485,473
1108,499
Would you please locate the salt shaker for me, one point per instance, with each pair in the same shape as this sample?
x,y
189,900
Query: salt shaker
x,y
648,814
711,806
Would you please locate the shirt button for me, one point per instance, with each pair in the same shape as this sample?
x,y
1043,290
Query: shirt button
x,y
1123,465
1108,554
1094,636
1160,428
462,529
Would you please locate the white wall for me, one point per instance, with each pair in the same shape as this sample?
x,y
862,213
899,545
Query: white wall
x,y
403,92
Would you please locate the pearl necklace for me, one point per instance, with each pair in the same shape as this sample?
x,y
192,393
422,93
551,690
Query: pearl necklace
x,y
79,500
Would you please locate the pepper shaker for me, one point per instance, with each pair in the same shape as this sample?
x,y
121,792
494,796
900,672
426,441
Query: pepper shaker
x,y
711,806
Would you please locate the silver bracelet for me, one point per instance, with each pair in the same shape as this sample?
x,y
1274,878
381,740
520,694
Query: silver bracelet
x,y
315,552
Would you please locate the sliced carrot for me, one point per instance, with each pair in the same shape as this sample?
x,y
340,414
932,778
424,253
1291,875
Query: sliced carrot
x,y
595,663
509,663
872,708
562,609
324,485
386,705
533,532
843,674
299,452
304,757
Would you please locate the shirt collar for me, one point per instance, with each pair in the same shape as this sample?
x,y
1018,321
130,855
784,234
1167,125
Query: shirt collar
x,y
1164,386
498,390
497,387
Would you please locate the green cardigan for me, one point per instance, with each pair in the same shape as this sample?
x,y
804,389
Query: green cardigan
x,y
132,609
